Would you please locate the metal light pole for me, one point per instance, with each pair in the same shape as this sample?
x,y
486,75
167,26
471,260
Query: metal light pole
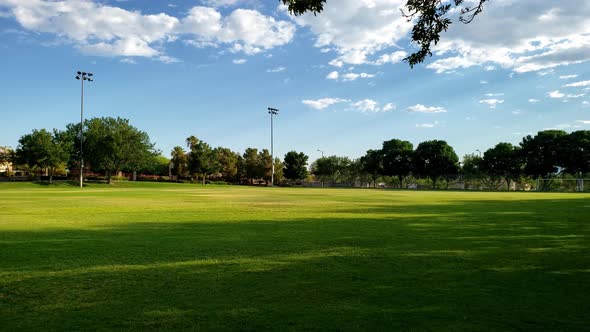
x,y
321,152
82,76
478,152
272,111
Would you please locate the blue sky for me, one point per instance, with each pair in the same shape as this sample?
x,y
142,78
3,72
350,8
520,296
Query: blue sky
x,y
211,68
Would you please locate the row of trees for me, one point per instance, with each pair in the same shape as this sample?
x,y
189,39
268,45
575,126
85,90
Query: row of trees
x,y
545,155
111,145
201,161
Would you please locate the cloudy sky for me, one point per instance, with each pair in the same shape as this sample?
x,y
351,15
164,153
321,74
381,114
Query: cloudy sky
x,y
210,68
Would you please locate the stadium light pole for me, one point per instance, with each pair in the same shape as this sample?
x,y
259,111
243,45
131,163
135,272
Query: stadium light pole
x,y
82,76
321,152
272,112
478,152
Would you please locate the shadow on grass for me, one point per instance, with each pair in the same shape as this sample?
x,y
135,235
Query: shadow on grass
x,y
444,267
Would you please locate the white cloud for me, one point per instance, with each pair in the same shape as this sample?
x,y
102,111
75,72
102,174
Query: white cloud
x,y
419,108
106,30
347,77
494,94
249,31
221,3
567,77
533,101
323,103
546,72
353,76
558,95
524,35
491,102
555,94
333,75
239,61
388,107
483,82
371,106
563,126
586,122
427,125
276,69
578,84
394,57
357,30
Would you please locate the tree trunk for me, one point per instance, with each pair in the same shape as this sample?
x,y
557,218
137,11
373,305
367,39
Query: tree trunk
x,y
50,177
108,177
401,181
204,177
433,183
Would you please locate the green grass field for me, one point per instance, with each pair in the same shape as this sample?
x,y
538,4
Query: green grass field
x,y
185,257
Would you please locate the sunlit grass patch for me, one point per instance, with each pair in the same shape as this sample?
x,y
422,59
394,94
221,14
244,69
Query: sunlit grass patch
x,y
188,257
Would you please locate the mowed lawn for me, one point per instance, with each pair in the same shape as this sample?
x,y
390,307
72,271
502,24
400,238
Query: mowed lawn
x,y
188,257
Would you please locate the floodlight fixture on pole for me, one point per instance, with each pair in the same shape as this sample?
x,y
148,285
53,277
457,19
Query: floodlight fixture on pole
x,y
82,76
272,112
321,152
478,152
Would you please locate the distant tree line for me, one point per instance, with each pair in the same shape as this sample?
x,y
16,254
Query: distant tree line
x,y
112,145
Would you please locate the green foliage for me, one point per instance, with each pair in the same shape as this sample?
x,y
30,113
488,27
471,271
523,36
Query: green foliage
x,y
397,159
332,169
201,158
299,7
429,18
576,152
179,160
228,162
252,164
112,145
472,171
435,159
265,164
43,150
503,160
372,164
543,153
295,166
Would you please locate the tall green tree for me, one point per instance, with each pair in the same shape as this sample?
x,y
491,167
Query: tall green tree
x,y
295,166
252,164
332,169
179,159
372,165
43,150
435,159
397,159
228,163
279,171
576,153
504,160
471,170
265,164
113,144
201,158
544,153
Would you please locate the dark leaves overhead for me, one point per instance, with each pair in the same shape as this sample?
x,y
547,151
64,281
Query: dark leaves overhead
x,y
430,19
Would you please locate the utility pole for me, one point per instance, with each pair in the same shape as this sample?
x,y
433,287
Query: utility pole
x,y
82,76
272,112
321,152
